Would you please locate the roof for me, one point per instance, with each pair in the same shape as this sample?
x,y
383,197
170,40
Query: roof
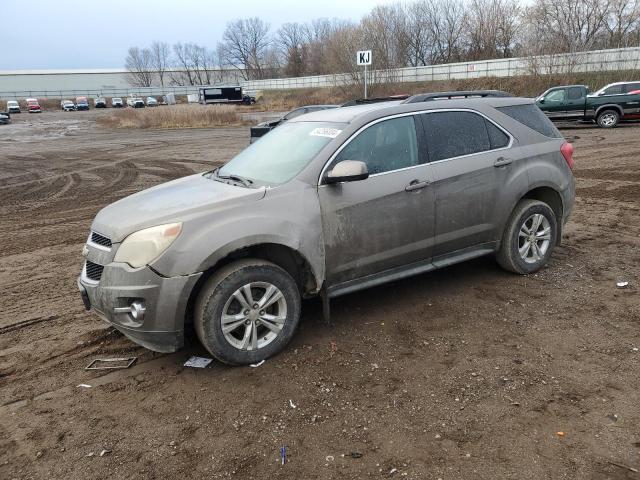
x,y
376,110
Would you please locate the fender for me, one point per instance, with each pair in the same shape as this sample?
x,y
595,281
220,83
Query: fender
x,y
609,106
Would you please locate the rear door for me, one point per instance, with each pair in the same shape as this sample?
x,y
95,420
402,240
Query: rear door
x,y
631,105
387,220
472,165
575,103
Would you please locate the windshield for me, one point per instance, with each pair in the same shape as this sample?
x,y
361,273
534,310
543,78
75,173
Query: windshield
x,y
281,154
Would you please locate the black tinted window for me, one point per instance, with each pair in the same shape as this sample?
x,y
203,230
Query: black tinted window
x,y
452,134
385,146
497,137
575,93
531,116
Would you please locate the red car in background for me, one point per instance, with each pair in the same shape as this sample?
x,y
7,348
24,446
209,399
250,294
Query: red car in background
x,y
33,106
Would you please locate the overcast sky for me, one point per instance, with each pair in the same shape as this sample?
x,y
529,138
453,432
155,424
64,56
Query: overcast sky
x,y
50,34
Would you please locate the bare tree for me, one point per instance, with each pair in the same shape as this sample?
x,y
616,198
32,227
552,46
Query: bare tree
x,y
492,26
160,59
623,23
245,45
291,41
183,73
139,64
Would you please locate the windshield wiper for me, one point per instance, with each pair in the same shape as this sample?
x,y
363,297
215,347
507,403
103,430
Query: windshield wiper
x,y
234,178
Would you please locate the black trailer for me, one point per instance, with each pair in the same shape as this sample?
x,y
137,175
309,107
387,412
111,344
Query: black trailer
x,y
231,94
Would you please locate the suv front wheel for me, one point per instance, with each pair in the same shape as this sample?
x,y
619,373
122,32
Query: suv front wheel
x,y
529,237
247,311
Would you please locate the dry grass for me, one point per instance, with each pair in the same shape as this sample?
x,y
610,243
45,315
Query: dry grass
x,y
174,116
526,86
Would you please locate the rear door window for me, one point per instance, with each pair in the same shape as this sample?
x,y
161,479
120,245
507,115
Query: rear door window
x,y
453,134
575,93
385,146
531,116
633,87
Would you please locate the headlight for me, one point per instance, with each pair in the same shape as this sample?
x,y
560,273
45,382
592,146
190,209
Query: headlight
x,y
142,247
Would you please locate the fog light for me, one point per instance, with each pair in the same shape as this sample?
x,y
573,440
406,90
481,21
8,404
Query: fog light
x,y
137,310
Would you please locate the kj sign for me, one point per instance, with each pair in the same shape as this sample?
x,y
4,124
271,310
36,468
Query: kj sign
x,y
364,57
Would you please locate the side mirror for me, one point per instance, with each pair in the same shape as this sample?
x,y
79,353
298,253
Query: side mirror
x,y
348,171
541,100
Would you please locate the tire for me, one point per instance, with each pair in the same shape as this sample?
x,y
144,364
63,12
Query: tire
x,y
524,214
608,119
216,298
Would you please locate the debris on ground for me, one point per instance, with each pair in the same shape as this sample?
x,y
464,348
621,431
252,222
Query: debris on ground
x,y
256,365
111,363
622,465
293,405
105,452
283,455
622,284
83,385
355,455
560,434
198,362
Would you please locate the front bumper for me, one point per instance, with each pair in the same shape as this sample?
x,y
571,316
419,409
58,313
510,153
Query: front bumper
x,y
165,300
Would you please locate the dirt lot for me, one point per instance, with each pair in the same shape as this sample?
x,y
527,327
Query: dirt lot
x,y
465,373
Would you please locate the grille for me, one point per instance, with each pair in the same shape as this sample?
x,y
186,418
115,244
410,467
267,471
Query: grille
x,y
100,240
93,271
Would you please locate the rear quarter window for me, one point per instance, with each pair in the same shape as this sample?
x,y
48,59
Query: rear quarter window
x,y
531,116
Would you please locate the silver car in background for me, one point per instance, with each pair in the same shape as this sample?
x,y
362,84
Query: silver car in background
x,y
327,204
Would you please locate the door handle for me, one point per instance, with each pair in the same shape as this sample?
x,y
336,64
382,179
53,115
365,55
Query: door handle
x,y
502,162
416,185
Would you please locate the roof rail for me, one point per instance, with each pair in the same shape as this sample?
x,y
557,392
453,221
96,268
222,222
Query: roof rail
x,y
362,101
427,97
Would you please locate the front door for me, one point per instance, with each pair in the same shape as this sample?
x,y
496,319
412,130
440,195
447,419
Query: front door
x,y
554,103
387,220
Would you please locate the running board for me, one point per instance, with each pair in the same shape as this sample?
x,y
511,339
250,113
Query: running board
x,y
405,271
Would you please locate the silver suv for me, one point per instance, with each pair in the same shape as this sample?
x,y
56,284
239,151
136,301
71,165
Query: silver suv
x,y
328,203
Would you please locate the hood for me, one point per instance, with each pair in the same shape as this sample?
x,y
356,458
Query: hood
x,y
177,201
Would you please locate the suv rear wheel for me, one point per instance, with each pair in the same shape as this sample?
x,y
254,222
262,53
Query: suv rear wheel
x,y
608,118
247,311
529,237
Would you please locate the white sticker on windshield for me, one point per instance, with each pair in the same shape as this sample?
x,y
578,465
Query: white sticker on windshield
x,y
325,132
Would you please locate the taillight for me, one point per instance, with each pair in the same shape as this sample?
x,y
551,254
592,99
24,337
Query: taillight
x,y
567,152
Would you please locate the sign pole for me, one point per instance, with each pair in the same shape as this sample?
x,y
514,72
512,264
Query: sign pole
x,y
365,81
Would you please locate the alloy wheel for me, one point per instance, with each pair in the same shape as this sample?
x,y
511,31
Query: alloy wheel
x,y
534,238
254,316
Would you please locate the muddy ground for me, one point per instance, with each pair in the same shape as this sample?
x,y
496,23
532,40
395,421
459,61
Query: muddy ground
x,y
465,373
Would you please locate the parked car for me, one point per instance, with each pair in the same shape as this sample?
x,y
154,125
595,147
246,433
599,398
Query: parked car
x,y
100,102
5,118
328,203
67,105
618,88
152,102
116,102
265,127
82,103
605,107
135,102
13,106
33,106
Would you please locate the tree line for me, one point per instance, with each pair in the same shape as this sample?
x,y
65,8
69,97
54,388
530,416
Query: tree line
x,y
422,32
